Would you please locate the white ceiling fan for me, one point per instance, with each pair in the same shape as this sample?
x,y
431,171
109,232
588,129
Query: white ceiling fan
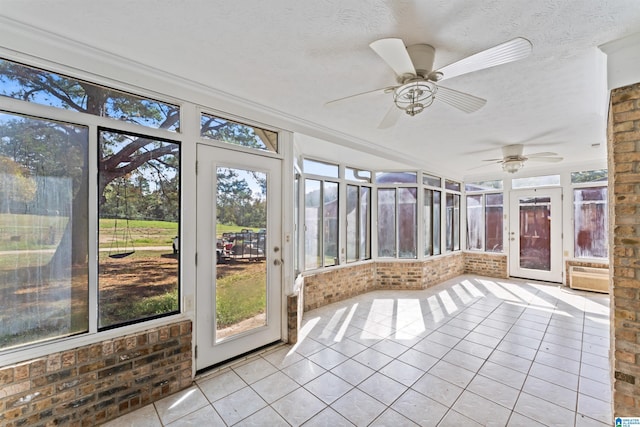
x,y
418,86
513,158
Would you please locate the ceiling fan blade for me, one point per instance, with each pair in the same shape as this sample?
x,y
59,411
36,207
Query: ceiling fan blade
x,y
391,118
543,154
485,165
394,53
460,100
381,90
493,160
510,51
545,159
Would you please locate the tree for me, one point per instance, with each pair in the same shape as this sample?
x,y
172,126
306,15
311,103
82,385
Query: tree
x,y
16,185
119,154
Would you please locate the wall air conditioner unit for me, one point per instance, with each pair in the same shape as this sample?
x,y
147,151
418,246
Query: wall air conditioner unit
x,y
589,279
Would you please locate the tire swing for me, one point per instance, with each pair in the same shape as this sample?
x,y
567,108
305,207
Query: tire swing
x,y
121,243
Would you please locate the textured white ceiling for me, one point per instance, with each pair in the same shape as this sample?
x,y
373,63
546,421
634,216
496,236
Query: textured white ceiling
x,y
293,56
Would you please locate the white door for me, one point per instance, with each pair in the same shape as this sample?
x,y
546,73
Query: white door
x,y
238,290
535,234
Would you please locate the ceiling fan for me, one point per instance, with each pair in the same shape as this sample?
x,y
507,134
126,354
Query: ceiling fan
x,y
418,86
513,158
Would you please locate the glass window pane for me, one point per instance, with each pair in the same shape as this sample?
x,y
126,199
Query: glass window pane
x,y
330,229
396,178
364,228
139,207
453,222
431,180
312,224
599,175
493,222
46,88
437,222
483,185
427,221
535,181
591,232
357,175
452,185
43,230
535,232
407,222
474,222
386,222
212,127
352,223
315,167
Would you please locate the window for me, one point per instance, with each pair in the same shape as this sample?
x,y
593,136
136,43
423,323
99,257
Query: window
x,y
591,228
431,222
212,127
358,175
315,167
431,180
45,200
140,206
396,178
452,185
358,244
44,180
453,222
46,88
598,175
397,222
535,181
321,223
484,222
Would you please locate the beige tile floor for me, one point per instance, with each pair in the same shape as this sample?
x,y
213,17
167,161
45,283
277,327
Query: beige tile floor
x,y
471,351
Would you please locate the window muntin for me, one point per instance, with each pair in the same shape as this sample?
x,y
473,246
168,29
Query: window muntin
x,y
243,135
139,205
591,225
56,90
315,167
452,230
44,233
358,223
535,181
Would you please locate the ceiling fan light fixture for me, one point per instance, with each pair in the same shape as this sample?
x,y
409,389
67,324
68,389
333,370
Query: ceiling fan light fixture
x,y
512,166
413,97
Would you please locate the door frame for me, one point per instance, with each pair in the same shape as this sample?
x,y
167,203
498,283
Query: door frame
x,y
208,352
556,273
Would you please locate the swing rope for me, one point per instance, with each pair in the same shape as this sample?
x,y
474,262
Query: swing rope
x,y
127,242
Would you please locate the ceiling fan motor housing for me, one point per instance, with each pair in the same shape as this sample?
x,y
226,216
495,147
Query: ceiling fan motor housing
x,y
422,56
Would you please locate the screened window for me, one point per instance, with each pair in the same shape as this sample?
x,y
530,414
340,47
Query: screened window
x,y
591,228
321,223
243,135
453,222
358,244
44,232
484,222
55,90
139,214
397,222
431,222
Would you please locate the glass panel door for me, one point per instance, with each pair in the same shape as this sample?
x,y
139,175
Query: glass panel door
x,y
535,234
239,297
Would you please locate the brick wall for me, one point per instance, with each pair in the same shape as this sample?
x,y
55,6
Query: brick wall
x,y
624,200
93,384
337,284
325,287
486,264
